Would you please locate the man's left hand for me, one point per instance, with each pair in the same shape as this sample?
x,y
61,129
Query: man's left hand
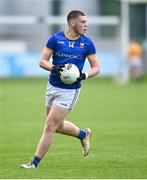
x,y
82,76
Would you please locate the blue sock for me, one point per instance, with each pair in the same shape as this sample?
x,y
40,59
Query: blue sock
x,y
81,135
36,160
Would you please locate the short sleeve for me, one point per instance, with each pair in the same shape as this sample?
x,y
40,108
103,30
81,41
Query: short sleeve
x,y
91,48
51,42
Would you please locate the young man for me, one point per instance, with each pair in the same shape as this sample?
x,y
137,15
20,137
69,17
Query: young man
x,y
73,47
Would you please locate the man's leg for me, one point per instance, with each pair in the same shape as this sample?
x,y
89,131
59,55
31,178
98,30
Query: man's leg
x,y
55,117
84,135
66,127
70,129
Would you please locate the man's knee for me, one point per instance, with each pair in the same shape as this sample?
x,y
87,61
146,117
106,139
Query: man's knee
x,y
52,125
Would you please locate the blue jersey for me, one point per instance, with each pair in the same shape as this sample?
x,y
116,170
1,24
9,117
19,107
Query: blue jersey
x,y
66,51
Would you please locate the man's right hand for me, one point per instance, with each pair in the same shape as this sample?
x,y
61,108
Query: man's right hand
x,y
57,69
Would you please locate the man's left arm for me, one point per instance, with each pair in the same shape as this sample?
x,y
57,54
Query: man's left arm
x,y
94,64
94,70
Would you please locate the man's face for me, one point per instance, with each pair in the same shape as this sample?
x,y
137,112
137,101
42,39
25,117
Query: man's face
x,y
80,25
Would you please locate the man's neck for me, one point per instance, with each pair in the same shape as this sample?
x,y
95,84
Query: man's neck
x,y
72,35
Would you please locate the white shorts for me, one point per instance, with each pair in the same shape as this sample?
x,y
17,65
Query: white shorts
x,y
65,98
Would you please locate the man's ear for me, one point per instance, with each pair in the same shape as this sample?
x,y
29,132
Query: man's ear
x,y
72,22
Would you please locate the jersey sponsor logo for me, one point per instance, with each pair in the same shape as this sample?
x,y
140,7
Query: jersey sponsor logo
x,y
66,55
71,44
71,56
81,45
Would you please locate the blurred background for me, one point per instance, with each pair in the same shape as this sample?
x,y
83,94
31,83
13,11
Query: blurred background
x,y
26,24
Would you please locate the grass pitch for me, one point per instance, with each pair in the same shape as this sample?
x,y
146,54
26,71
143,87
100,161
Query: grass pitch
x,y
116,114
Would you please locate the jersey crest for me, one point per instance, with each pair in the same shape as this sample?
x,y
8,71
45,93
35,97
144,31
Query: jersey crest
x,y
81,45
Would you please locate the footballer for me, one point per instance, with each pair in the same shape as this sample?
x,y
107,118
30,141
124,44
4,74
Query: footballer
x,y
71,46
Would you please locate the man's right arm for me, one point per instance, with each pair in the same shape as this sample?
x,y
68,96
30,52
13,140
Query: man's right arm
x,y
44,62
44,59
